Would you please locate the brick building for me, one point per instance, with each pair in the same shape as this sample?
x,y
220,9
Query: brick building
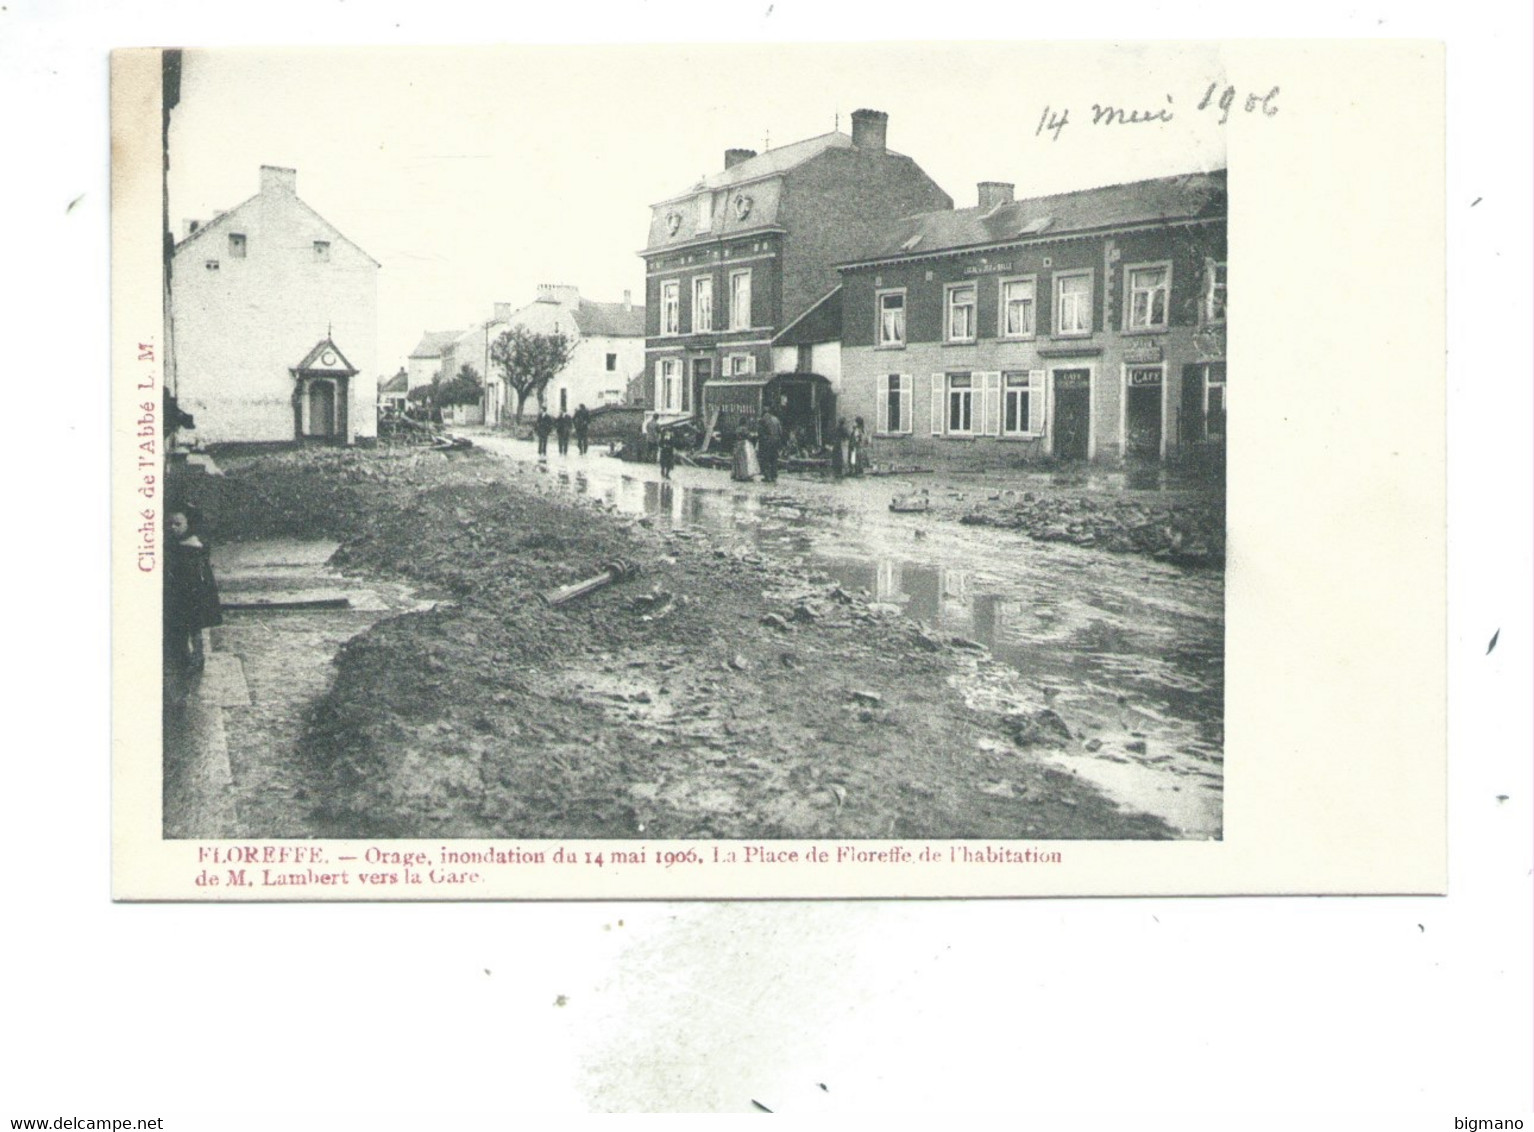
x,y
274,323
1082,326
745,252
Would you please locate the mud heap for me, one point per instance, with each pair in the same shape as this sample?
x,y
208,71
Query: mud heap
x,y
718,694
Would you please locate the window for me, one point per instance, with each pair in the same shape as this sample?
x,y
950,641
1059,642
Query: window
x,y
668,386
211,265
236,245
1017,308
1149,287
705,212
702,304
322,251
892,411
670,307
737,364
892,319
1073,303
740,300
961,402
1214,402
612,362
1214,294
960,320
1023,403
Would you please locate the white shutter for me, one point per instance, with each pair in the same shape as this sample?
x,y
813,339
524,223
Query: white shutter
x,y
937,404
881,404
1035,423
906,382
991,426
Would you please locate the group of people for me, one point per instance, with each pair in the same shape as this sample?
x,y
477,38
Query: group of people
x,y
759,448
562,426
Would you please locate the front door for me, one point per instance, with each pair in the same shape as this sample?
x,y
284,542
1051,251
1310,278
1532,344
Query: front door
x,y
1073,413
322,408
702,370
1142,414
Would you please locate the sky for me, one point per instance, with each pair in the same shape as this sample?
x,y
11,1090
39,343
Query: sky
x,y
474,174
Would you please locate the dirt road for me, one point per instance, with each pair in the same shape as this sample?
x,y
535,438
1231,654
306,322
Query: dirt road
x,y
724,693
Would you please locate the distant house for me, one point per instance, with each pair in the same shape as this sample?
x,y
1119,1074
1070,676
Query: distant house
x,y
607,350
426,361
274,320
392,392
1086,325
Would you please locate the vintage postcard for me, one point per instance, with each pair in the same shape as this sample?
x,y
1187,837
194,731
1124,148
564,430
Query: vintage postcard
x,y
540,474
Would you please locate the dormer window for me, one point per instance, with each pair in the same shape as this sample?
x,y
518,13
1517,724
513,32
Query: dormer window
x,y
236,245
321,251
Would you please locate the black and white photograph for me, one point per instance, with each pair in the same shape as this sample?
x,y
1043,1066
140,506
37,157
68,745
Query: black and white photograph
x,y
806,489
696,557
810,461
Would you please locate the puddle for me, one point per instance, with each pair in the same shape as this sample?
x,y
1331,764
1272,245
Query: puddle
x,y
1129,651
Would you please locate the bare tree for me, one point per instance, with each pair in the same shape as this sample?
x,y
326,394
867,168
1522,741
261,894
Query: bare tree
x,y
528,361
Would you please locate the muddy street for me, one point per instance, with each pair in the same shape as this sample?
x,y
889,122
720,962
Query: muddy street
x,y
1129,651
791,660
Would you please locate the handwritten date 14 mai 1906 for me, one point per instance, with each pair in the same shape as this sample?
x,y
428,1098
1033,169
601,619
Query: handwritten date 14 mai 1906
x,y
1214,100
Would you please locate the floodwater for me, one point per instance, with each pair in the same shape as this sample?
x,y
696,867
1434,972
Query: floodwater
x,y
1128,650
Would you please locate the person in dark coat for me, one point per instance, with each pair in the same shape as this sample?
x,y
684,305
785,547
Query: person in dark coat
x,y
838,444
582,427
667,453
562,426
541,428
191,595
770,444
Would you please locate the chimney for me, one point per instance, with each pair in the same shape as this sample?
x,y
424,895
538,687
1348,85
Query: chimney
x,y
628,300
561,293
994,194
733,157
868,129
502,312
276,179
189,226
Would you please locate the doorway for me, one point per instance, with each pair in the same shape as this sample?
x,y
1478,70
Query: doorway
x,y
1072,413
1142,413
322,408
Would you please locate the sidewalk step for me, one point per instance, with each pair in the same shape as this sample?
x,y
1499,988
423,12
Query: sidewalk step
x,y
223,682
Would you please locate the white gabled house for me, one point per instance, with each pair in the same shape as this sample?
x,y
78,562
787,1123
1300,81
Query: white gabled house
x,y
274,323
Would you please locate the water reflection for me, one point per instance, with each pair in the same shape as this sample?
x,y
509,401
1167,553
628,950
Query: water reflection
x,y
1131,652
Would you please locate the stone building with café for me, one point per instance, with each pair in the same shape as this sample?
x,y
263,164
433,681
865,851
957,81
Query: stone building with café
x,y
741,255
1084,326
274,323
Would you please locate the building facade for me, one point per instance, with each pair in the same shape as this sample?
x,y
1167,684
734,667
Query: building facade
x,y
735,259
430,357
1082,326
606,351
274,323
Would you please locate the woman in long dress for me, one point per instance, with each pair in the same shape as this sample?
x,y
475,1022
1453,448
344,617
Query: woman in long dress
x,y
745,468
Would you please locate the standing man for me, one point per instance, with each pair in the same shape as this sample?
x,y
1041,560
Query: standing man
x,y
771,445
649,436
582,426
542,427
562,426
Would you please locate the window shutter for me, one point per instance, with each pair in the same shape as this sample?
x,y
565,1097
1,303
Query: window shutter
x,y
1035,401
991,425
937,404
906,382
882,404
